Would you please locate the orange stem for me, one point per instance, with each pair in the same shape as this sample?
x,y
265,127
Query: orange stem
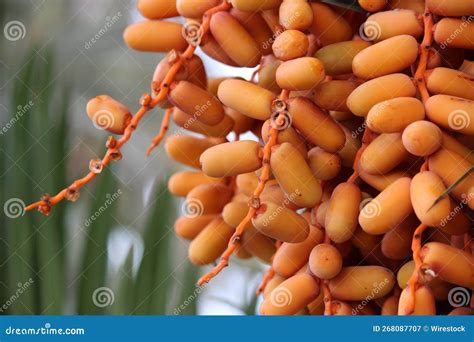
x,y
269,274
44,206
163,129
264,176
413,282
327,299
424,55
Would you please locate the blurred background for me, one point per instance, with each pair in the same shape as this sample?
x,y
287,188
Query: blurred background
x,y
114,251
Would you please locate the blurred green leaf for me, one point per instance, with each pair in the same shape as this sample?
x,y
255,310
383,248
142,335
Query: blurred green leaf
x,y
94,259
124,299
154,279
19,235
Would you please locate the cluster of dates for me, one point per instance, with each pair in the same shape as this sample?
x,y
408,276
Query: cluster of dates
x,y
356,187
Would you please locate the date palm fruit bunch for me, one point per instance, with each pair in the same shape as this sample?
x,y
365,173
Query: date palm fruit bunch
x,y
355,181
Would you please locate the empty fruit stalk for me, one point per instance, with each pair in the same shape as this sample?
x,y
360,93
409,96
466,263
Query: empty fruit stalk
x,y
114,146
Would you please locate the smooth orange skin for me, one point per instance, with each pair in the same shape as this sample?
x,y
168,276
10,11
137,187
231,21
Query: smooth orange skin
x,y
390,306
450,166
155,36
396,243
383,154
422,138
332,95
295,15
194,8
234,39
407,23
368,94
219,130
257,27
212,48
388,209
108,113
294,176
280,223
337,57
460,84
186,149
450,8
325,261
414,5
424,302
231,158
153,9
318,127
242,123
300,74
448,33
357,282
451,112
197,102
386,57
212,197
325,165
381,182
451,264
255,6
258,244
181,183
452,144
289,135
392,116
290,44
426,187
327,17
194,73
342,213
291,296
210,243
258,100
188,228
290,257
372,5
